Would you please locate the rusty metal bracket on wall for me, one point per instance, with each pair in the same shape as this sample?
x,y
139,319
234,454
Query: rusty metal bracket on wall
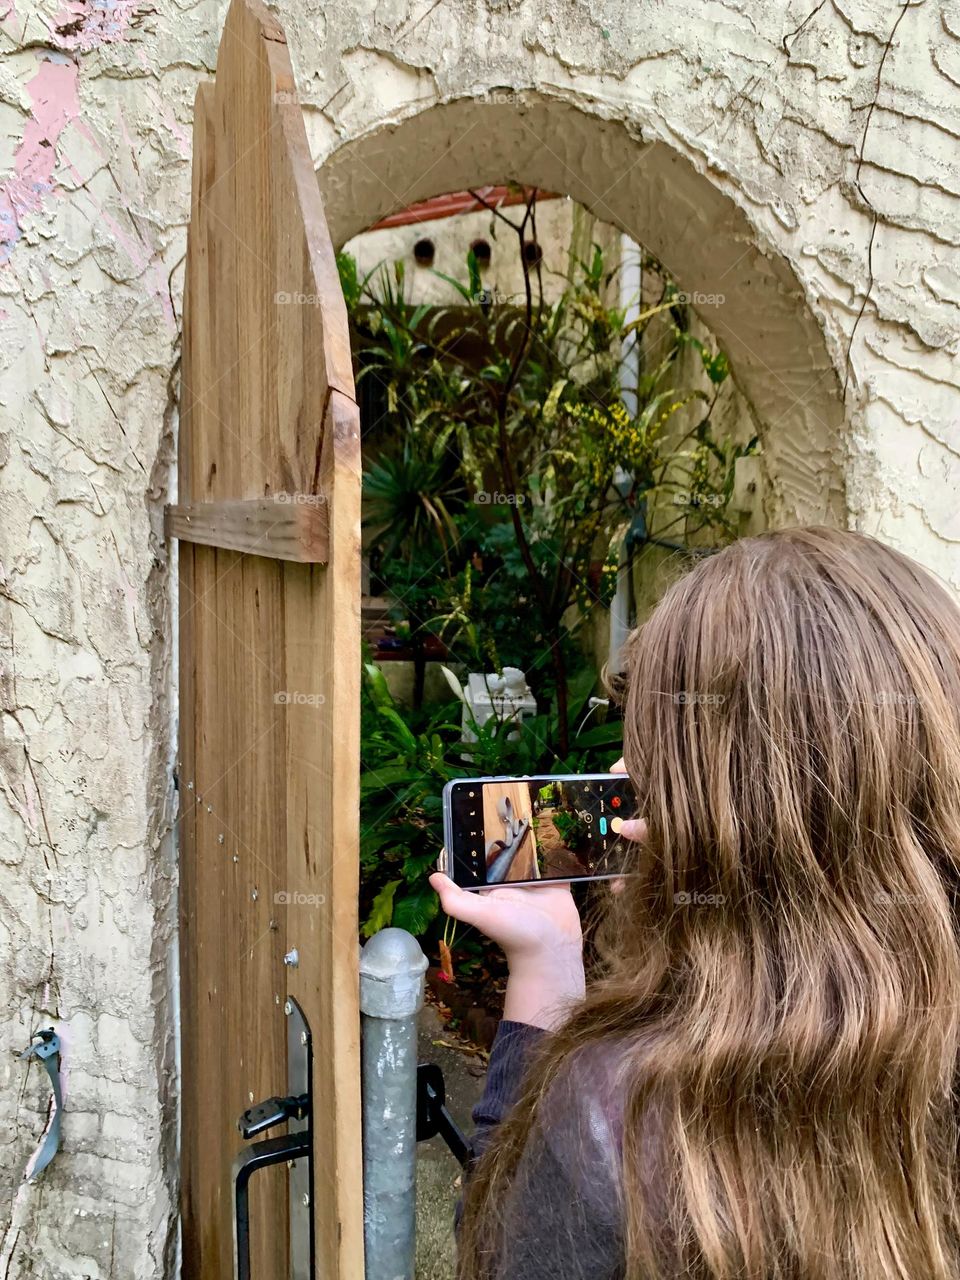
x,y
46,1048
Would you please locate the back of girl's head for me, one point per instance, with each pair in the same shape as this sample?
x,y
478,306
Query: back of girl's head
x,y
781,973
792,726
793,729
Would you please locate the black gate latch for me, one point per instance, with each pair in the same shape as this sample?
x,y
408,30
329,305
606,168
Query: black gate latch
x,y
294,1148
433,1118
273,1111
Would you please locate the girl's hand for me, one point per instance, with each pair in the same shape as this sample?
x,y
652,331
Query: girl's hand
x,y
539,930
535,923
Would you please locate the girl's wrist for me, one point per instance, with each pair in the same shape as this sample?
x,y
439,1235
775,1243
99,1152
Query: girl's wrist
x,y
546,961
542,988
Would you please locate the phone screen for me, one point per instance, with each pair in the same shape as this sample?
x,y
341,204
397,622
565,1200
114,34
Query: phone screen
x,y
524,830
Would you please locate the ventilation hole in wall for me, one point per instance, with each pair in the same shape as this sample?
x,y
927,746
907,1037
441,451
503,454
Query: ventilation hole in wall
x,y
424,252
532,253
482,252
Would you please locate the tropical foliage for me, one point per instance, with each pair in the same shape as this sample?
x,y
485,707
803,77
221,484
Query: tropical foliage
x,y
406,761
505,475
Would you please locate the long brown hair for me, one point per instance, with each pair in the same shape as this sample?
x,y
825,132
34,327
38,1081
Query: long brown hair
x,y
781,976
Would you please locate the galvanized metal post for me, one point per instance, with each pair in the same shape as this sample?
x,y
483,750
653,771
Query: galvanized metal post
x,y
391,995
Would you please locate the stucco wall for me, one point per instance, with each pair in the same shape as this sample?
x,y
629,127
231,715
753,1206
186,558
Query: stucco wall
x,y
811,136
802,160
452,238
96,143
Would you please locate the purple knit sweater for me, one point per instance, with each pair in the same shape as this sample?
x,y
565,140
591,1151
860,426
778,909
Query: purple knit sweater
x,y
563,1218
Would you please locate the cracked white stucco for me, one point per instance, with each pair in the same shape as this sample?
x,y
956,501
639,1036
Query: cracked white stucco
x,y
777,153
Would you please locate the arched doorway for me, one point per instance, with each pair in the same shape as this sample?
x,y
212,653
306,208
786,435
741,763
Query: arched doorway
x,y
752,300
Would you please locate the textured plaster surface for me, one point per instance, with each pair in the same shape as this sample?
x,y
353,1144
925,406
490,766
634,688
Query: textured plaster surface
x,y
96,103
801,160
452,238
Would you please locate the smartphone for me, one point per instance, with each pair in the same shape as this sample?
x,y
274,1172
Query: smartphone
x,y
527,830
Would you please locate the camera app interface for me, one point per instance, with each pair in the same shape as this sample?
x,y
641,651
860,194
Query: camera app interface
x,y
539,829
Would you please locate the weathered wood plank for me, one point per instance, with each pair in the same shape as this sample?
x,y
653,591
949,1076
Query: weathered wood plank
x,y
269,661
285,527
323,805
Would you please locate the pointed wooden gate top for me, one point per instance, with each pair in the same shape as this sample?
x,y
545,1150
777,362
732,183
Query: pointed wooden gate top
x,y
258,239
268,518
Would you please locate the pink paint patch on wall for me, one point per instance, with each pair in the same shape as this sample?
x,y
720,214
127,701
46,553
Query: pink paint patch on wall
x,y
53,97
181,136
85,24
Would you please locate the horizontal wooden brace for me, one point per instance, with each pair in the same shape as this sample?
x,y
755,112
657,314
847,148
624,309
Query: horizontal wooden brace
x,y
290,526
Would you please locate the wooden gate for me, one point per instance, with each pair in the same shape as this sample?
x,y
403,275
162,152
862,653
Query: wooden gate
x,y
268,522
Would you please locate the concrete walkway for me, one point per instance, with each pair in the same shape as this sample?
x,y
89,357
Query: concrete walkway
x,y
438,1174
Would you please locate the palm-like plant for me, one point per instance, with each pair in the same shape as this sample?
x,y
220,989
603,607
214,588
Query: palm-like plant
x,y
407,494
529,398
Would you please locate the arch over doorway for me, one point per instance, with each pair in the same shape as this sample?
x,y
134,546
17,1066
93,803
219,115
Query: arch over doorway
x,y
744,291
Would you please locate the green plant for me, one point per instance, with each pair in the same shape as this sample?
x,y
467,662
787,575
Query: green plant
x,y
407,760
407,496
526,400
570,827
523,402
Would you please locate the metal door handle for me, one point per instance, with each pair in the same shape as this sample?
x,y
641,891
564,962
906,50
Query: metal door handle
x,y
261,1155
293,1109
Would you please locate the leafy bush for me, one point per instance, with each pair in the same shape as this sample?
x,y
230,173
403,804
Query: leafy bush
x,y
406,762
525,403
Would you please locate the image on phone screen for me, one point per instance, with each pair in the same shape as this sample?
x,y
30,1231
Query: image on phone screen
x,y
521,830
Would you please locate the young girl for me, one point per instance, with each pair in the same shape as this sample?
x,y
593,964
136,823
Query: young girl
x,y
758,1083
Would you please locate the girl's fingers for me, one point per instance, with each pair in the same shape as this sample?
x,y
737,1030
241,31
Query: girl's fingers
x,y
634,829
457,902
